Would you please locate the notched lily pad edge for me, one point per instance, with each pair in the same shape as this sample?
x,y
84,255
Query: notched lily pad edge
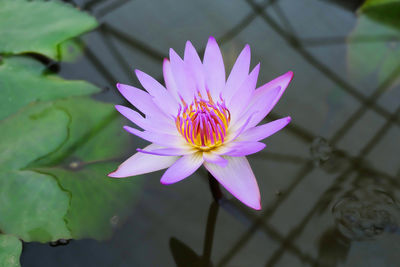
x,y
69,193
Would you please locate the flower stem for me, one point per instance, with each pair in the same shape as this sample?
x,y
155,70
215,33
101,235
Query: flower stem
x,y
209,235
214,187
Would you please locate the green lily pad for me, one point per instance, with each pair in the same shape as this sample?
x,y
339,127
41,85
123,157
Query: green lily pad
x,y
23,81
98,202
77,140
95,132
10,250
30,134
40,26
383,11
71,50
372,3
96,139
32,205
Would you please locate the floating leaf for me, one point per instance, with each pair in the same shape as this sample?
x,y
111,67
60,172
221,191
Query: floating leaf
x,y
375,3
39,26
72,197
383,11
32,205
10,250
90,134
71,50
98,203
31,133
22,81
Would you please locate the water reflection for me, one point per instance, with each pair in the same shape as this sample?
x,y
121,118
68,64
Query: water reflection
x,y
60,242
365,214
185,256
327,157
320,150
333,248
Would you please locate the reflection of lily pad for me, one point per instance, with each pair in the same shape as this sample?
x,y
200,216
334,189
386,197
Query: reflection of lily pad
x,y
383,11
32,205
39,26
22,81
379,57
10,250
184,255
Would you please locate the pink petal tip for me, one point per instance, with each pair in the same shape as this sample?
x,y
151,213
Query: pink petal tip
x,y
114,175
291,74
258,207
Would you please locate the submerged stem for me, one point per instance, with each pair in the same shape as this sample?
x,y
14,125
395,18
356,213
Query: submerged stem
x,y
209,235
215,188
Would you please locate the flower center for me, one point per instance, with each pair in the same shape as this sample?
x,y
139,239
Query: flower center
x,y
203,123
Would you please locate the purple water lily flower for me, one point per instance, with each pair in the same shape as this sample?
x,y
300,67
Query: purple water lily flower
x,y
200,118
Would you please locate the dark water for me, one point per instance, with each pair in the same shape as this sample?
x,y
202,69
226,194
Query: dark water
x,y
330,181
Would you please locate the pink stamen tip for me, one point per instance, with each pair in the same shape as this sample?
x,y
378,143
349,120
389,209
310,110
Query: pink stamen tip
x,y
210,132
204,122
191,133
222,135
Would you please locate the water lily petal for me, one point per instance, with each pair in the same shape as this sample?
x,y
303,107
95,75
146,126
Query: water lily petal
x,y
263,131
238,74
241,149
214,158
237,129
258,108
141,100
182,76
147,124
141,163
214,68
184,126
169,79
162,98
266,97
238,178
169,151
134,117
195,66
242,97
282,81
166,140
182,168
